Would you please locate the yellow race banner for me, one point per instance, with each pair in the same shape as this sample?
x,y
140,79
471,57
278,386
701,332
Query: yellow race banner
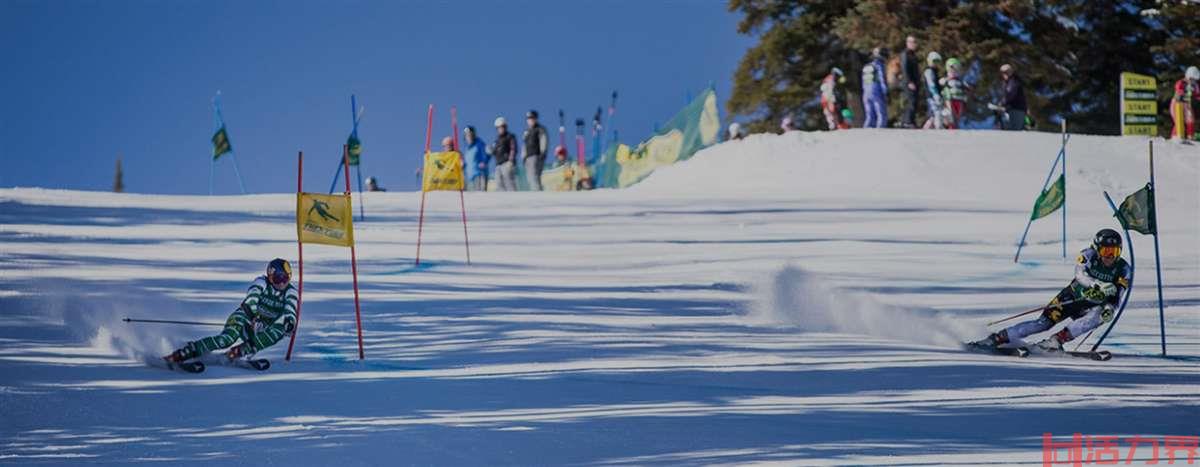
x,y
1139,105
443,171
325,219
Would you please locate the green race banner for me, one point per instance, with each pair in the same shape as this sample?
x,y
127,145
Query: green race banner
x,y
695,127
221,144
1137,212
355,149
1051,199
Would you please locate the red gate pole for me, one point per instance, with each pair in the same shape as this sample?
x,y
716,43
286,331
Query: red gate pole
x,y
300,259
462,158
421,218
353,257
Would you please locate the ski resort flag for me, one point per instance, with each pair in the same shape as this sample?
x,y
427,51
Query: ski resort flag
x,y
443,172
1137,212
1050,200
325,219
220,141
355,149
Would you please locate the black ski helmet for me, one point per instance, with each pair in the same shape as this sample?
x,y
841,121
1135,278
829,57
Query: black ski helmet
x,y
279,271
1106,237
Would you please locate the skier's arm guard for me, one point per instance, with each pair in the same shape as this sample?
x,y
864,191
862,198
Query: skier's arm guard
x,y
250,303
1081,276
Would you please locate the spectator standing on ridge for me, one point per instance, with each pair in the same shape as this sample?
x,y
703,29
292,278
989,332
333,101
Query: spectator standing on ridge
x,y
534,153
373,185
475,159
934,87
832,97
560,155
954,92
875,90
910,78
1014,99
787,125
504,151
1187,90
735,132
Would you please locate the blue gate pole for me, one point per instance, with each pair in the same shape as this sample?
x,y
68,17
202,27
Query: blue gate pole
x,y
1162,328
233,154
362,211
238,172
1044,185
1065,137
1132,269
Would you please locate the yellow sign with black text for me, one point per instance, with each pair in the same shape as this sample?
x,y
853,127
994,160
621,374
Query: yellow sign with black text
x,y
443,171
325,219
1139,106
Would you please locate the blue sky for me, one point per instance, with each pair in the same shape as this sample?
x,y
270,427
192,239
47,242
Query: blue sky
x,y
88,80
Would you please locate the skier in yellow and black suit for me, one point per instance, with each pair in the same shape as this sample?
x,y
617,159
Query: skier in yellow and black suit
x,y
1101,275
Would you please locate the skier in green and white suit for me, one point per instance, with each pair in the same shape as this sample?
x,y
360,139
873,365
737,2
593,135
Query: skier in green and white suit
x,y
266,315
1100,277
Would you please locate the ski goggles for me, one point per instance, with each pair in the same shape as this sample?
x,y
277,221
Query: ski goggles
x,y
1109,251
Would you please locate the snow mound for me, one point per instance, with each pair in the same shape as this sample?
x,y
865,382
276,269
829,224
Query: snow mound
x,y
988,167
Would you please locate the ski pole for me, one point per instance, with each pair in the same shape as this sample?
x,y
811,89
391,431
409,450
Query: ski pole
x,y
1085,338
163,321
1023,313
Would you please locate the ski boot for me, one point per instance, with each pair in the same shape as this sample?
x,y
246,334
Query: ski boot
x,y
996,339
1054,343
182,354
236,352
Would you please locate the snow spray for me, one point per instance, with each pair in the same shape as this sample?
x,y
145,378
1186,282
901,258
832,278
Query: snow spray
x,y
798,298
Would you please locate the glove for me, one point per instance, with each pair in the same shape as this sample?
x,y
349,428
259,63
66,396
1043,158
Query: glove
x,y
1094,294
1109,289
1106,313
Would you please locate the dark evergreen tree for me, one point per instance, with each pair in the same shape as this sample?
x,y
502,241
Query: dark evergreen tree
x,y
1069,53
1180,48
119,179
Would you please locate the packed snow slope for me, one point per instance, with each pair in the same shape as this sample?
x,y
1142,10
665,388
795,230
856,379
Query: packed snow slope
x,y
794,299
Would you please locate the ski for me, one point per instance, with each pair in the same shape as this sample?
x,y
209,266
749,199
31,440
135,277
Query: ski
x,y
989,350
219,359
191,366
260,364
1100,355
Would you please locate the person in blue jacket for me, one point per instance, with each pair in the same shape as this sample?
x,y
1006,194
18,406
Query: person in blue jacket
x,y
475,160
874,82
